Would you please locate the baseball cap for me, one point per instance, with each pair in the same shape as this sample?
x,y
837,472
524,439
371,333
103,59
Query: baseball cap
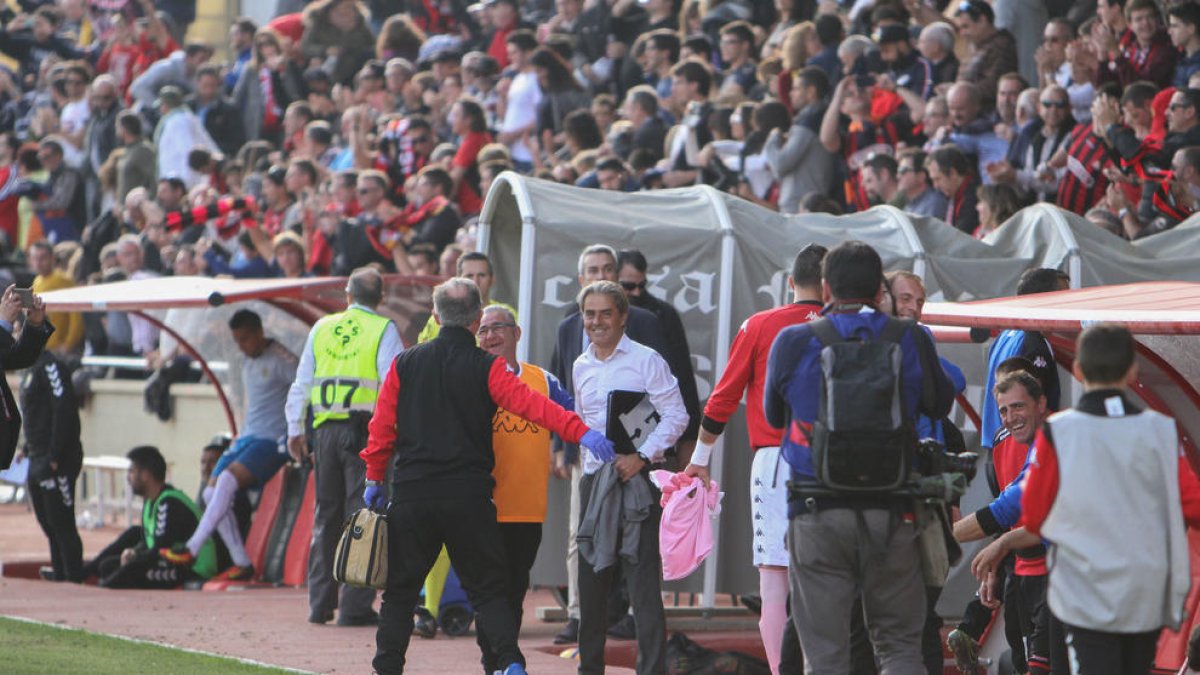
x,y
169,95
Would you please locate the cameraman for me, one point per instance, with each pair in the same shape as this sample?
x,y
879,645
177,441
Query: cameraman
x,y
843,543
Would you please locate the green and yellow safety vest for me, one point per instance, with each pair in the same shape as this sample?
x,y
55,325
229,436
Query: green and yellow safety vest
x,y
206,562
346,377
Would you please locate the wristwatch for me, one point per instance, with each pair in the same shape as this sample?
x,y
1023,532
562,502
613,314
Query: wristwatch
x,y
645,459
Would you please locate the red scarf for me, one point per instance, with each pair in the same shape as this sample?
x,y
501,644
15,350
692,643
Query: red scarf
x,y
271,112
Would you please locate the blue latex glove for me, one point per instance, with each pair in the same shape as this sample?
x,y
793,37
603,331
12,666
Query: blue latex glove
x,y
598,445
375,497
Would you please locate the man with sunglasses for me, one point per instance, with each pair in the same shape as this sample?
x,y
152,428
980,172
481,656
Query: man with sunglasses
x,y
1035,145
914,194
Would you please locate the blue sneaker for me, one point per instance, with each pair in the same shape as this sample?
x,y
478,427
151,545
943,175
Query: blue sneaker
x,y
515,669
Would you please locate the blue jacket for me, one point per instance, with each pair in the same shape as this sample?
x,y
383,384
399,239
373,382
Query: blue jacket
x,y
1005,510
791,392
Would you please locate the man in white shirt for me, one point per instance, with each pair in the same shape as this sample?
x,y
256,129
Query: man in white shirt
x,y
179,131
521,102
613,362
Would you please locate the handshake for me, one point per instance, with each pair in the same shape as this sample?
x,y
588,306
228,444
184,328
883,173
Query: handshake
x,y
376,498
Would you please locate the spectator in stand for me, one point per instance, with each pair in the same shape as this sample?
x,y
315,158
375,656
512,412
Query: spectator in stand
x,y
177,133
430,218
849,127
1051,56
950,173
1079,168
468,121
737,47
803,163
879,178
68,334
61,206
1183,25
221,119
269,84
241,46
170,193
30,40
505,18
972,130
901,63
288,257
1163,205
829,31
1025,20
936,45
1150,56
660,55
100,137
1035,145
914,193
993,50
400,38
521,96
996,204
691,81
613,174
177,70
1008,94
143,334
423,260
641,109
359,240
337,37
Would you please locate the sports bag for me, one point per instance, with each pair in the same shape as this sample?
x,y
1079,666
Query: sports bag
x,y
361,558
862,441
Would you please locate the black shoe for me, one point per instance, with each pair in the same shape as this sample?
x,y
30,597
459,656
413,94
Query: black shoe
x,y
371,619
569,635
1193,650
424,625
47,573
623,629
752,602
320,617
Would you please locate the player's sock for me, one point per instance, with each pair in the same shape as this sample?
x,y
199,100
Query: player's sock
x,y
216,509
232,536
773,588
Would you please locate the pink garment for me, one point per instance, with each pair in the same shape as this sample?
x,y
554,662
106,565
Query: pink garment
x,y
685,535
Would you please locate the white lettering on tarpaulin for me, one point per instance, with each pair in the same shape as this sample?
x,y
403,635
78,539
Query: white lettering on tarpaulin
x,y
776,289
553,288
698,292
652,286
702,364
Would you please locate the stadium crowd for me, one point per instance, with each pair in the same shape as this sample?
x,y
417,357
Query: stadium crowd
x,y
343,136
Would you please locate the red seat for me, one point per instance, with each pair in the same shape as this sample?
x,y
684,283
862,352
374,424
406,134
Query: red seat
x,y
295,565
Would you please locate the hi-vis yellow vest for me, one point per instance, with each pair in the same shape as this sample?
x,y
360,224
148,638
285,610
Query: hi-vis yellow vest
x,y
346,377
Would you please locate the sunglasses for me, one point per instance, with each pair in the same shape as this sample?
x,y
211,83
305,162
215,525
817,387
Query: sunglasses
x,y
1055,104
420,139
633,285
1179,106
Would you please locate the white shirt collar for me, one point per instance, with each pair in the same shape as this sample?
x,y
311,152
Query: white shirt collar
x,y
624,345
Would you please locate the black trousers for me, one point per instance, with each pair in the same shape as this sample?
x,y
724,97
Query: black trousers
x,y
148,572
1098,653
521,542
976,616
417,530
53,496
1035,621
643,580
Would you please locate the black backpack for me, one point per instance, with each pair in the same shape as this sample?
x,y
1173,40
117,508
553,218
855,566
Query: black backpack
x,y
862,440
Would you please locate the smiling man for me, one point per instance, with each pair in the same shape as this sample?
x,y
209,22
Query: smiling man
x,y
522,468
614,362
